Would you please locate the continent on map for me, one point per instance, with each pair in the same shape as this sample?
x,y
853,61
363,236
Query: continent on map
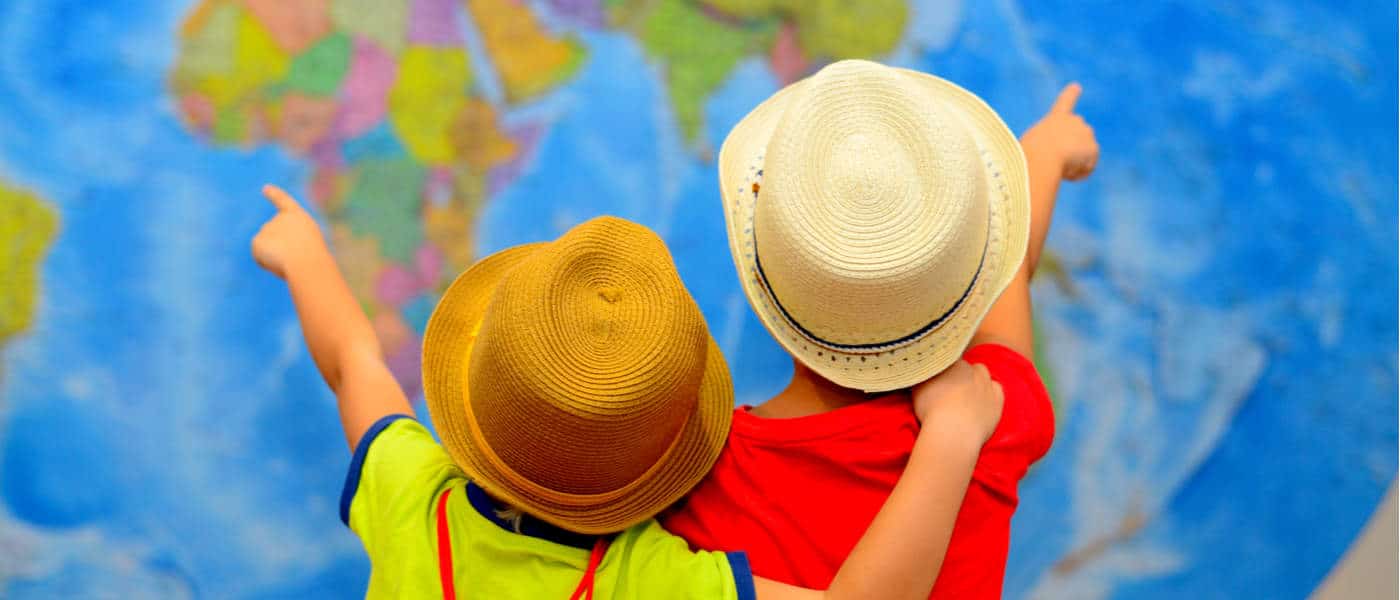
x,y
529,60
699,42
27,227
384,102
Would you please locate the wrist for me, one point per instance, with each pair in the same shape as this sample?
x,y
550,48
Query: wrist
x,y
946,432
309,257
1042,153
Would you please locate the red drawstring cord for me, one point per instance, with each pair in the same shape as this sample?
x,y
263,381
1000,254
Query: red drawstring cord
x,y
585,587
449,592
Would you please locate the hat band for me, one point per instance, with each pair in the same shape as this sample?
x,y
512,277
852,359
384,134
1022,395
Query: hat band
x,y
763,279
922,331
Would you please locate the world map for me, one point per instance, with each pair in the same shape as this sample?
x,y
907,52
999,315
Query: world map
x,y
1216,318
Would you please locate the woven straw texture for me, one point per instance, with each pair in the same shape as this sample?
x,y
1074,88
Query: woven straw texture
x,y
576,379
874,215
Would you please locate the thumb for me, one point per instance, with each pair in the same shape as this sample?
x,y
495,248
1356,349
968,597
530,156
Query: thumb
x,y
1068,97
279,198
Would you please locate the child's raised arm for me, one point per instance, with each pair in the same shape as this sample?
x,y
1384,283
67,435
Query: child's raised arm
x,y
340,338
1060,146
901,553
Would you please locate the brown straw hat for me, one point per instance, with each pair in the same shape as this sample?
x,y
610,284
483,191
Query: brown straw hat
x,y
874,216
576,379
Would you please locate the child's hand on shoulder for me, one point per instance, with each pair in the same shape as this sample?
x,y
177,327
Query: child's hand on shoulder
x,y
288,237
1064,136
964,397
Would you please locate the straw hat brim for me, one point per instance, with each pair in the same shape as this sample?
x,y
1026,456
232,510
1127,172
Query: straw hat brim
x,y
919,359
447,347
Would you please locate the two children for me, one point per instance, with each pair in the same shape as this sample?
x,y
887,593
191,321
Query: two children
x,y
875,215
578,393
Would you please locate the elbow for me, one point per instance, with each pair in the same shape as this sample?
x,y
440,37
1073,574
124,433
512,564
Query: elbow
x,y
331,375
346,361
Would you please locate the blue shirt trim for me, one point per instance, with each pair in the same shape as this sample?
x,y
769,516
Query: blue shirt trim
x,y
357,463
743,575
529,526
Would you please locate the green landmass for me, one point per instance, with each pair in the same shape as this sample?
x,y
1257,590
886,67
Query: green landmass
x,y
699,53
383,204
27,227
831,29
699,42
319,70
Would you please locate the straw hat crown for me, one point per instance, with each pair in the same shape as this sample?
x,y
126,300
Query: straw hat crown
x,y
874,215
573,350
576,379
874,196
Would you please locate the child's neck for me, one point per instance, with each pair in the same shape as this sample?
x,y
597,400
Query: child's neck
x,y
808,394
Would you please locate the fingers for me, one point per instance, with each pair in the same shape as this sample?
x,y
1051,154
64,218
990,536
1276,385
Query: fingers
x,y
258,251
1080,168
1079,172
279,198
260,259
1068,97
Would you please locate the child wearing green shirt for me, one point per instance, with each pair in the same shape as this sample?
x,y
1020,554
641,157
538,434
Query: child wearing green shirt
x,y
578,393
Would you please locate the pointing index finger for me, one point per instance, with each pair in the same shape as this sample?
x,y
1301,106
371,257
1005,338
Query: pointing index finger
x,y
279,198
1068,97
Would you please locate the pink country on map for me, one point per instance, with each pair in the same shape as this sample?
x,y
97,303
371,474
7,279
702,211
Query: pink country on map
x,y
364,96
434,22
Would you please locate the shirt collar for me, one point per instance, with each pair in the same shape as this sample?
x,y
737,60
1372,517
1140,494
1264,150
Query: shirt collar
x,y
529,526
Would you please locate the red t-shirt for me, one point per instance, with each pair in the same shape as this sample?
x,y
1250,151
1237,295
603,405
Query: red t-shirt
x,y
796,494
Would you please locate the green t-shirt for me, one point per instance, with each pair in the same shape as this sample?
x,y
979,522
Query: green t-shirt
x,y
390,501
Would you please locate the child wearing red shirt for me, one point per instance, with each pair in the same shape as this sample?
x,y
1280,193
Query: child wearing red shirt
x,y
885,223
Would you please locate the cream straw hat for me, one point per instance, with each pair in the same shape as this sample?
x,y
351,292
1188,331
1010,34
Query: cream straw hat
x,y
576,380
874,215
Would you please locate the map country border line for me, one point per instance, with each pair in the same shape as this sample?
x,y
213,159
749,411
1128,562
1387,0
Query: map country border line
x,y
489,80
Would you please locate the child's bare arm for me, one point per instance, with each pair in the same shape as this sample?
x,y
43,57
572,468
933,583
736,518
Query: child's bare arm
x,y
1060,146
901,553
340,338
